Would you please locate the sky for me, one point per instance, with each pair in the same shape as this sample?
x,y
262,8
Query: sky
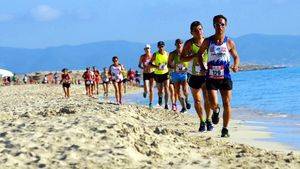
x,y
46,23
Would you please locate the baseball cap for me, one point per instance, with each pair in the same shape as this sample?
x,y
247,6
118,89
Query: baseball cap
x,y
160,43
178,41
147,46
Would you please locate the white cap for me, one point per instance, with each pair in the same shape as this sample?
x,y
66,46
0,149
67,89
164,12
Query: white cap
x,y
147,46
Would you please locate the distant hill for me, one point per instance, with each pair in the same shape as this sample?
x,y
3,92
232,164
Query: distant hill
x,y
253,48
269,49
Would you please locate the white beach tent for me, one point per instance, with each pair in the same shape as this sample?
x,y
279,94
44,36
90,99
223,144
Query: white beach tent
x,y
5,73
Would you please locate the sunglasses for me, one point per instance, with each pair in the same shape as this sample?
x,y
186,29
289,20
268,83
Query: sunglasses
x,y
220,24
161,46
115,60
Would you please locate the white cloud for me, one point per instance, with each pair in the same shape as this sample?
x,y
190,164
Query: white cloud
x,y
45,13
6,17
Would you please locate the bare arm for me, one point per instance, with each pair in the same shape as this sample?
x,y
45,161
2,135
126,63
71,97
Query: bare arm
x,y
152,60
140,63
234,54
170,60
203,47
185,55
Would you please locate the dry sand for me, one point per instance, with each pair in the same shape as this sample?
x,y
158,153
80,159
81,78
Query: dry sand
x,y
41,129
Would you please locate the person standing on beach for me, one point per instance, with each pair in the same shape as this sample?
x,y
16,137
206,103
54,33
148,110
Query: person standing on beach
x,y
105,81
161,74
88,81
196,77
115,71
179,76
148,73
219,48
66,82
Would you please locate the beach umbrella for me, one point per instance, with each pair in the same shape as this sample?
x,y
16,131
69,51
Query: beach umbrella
x,y
5,73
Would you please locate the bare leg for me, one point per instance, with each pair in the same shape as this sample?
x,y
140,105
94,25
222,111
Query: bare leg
x,y
172,93
206,102
116,91
145,86
197,103
166,87
226,98
65,91
68,92
213,99
151,85
97,88
120,86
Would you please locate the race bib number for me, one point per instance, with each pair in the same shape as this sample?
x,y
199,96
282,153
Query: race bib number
x,y
180,67
162,67
216,72
198,69
147,62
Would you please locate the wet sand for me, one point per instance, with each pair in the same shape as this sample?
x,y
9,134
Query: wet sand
x,y
40,128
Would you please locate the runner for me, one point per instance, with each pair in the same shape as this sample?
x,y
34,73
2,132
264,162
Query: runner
x,y
88,81
93,81
105,81
179,76
196,78
25,79
115,70
148,74
131,76
219,48
96,80
66,82
161,73
172,88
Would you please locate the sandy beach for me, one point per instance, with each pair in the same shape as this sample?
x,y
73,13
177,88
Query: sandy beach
x,y
39,128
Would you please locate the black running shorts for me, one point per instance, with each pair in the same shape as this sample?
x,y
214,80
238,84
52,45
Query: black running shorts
x,y
219,84
195,82
67,85
161,78
148,76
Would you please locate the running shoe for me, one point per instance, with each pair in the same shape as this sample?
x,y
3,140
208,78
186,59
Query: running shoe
x,y
202,127
144,94
215,116
150,106
160,100
166,107
188,105
209,126
174,107
224,132
183,110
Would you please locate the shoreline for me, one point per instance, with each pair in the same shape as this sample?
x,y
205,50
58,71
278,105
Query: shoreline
x,y
42,129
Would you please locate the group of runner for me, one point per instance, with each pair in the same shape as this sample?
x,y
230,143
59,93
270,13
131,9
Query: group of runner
x,y
201,63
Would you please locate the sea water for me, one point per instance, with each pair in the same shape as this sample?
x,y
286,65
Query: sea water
x,y
269,98
272,99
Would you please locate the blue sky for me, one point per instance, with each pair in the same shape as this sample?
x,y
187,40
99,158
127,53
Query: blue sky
x,y
44,23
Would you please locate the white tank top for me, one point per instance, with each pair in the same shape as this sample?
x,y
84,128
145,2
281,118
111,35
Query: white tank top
x,y
116,73
218,60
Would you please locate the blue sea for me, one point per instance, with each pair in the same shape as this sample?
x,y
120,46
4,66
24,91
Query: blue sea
x,y
272,97
269,98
